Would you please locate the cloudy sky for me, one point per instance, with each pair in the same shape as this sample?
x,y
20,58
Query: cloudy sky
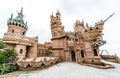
x,y
37,14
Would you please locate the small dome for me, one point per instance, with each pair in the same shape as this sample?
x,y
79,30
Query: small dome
x,y
18,20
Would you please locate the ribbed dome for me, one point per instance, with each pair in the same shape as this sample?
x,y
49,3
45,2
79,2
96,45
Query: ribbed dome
x,y
18,21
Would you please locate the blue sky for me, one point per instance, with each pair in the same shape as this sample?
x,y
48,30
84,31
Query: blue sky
x,y
37,14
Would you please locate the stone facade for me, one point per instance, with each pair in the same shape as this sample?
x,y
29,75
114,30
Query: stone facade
x,y
81,45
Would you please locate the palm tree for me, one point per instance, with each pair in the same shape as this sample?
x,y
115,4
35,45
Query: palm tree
x,y
10,54
7,57
2,44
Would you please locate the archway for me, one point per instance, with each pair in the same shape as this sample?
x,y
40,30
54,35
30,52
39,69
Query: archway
x,y
73,56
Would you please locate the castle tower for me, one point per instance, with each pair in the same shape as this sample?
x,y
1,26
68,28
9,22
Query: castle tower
x,y
15,37
57,30
56,25
79,26
17,25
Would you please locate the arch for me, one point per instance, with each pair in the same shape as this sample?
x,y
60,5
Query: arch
x,y
105,51
73,56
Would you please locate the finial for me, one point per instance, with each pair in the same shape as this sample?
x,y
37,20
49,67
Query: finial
x,y
51,15
58,13
82,21
11,17
21,10
57,10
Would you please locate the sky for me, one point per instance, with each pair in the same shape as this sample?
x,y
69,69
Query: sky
x,y
37,14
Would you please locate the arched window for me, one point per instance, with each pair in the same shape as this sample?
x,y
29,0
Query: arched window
x,y
12,30
21,51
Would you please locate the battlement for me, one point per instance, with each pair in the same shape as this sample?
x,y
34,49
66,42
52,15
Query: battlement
x,y
14,38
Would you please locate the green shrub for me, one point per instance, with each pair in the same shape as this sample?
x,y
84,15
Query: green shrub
x,y
4,68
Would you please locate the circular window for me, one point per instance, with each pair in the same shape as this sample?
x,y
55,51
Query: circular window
x,y
21,51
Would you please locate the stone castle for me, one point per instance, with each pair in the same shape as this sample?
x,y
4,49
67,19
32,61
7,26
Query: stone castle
x,y
81,45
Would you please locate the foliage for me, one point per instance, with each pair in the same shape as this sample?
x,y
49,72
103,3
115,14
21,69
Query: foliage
x,y
2,44
4,68
13,67
7,57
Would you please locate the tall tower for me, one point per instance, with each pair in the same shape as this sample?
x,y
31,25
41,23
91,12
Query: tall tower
x,y
57,30
56,25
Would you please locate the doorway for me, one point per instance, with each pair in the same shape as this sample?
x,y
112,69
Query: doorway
x,y
73,56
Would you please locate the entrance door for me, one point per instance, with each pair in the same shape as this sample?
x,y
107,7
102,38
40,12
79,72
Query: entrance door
x,y
73,56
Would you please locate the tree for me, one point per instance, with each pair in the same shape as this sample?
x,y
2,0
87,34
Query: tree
x,y
10,54
7,57
2,44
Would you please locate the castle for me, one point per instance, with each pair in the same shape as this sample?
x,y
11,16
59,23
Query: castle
x,y
81,45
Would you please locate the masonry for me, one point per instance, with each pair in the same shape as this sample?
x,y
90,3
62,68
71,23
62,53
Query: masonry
x,y
81,45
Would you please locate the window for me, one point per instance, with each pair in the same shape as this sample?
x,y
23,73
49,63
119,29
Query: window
x,y
82,53
12,30
21,51
95,52
55,33
23,33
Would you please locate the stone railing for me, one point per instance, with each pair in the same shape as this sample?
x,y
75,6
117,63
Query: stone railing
x,y
15,37
38,62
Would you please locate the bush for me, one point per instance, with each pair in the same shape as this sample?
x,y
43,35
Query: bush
x,y
4,68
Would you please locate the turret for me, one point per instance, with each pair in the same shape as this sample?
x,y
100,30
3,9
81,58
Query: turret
x,y
56,25
79,26
17,25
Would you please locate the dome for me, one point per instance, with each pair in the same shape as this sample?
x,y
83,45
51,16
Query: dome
x,y
18,21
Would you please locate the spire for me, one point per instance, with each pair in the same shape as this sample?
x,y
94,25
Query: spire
x,y
52,15
57,13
